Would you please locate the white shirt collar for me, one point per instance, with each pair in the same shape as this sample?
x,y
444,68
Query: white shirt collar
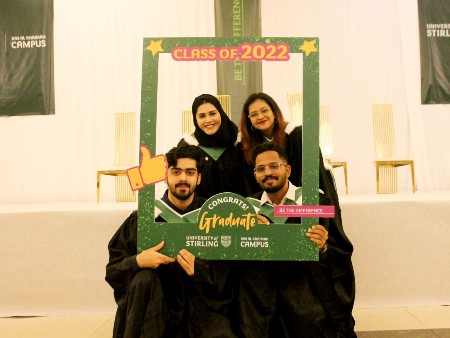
x,y
290,195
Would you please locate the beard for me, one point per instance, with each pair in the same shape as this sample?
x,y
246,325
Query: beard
x,y
273,188
184,194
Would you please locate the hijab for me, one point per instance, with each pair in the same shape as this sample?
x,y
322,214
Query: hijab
x,y
227,133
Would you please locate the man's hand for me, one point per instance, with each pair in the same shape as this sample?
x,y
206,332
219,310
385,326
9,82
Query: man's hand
x,y
186,260
318,234
151,258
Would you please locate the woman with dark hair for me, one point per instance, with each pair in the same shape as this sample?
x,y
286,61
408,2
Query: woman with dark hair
x,y
262,121
216,135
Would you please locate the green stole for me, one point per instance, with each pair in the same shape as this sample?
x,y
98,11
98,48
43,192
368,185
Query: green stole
x,y
171,216
267,209
214,152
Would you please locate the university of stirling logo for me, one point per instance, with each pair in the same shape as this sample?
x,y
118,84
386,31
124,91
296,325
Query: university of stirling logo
x,y
225,241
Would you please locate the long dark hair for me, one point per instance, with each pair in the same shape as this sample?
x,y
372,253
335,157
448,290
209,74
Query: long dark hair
x,y
250,138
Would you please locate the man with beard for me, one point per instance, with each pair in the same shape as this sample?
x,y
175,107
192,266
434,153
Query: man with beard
x,y
150,288
288,299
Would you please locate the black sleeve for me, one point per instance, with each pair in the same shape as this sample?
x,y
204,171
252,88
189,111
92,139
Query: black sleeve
x,y
250,186
338,258
182,142
122,248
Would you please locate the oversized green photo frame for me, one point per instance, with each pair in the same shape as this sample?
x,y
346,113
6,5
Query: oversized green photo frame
x,y
286,242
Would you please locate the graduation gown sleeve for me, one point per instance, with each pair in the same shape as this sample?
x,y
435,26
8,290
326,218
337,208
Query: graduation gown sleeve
x,y
120,269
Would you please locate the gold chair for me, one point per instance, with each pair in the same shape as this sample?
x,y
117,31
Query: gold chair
x,y
187,124
125,157
225,102
326,142
386,162
295,104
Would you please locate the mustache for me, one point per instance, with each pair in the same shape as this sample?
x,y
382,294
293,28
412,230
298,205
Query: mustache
x,y
269,177
182,185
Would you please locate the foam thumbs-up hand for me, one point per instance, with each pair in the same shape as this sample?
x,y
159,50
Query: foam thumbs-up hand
x,y
153,169
150,171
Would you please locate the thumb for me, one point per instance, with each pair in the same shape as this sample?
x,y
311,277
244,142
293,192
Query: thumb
x,y
158,246
146,155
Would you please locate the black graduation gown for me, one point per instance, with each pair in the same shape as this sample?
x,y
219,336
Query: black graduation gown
x,y
291,299
150,302
340,248
212,311
223,175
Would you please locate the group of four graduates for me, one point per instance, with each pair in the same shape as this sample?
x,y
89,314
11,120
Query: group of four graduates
x,y
159,296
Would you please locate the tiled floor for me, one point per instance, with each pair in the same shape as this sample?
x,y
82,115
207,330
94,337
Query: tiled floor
x,y
383,322
403,322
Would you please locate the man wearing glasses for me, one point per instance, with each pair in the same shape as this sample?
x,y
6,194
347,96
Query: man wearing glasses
x,y
288,299
272,173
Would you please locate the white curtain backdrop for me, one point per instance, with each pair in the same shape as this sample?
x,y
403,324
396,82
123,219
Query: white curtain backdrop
x,y
369,53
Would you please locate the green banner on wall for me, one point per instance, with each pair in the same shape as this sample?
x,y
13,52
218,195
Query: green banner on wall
x,y
434,30
238,18
26,58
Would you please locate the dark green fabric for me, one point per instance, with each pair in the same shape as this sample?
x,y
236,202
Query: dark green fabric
x,y
434,32
238,79
26,58
172,216
214,152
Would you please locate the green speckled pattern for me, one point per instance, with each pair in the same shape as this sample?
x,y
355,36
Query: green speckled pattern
x,y
286,241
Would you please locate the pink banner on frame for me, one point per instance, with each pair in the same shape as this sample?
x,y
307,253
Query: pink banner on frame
x,y
321,211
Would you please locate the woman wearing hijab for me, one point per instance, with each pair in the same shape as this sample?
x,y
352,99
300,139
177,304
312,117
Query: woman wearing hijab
x,y
216,136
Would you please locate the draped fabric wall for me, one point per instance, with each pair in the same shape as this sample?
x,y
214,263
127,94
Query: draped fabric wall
x,y
369,54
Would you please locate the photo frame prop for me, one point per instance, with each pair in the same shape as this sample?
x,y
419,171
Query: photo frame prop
x,y
246,240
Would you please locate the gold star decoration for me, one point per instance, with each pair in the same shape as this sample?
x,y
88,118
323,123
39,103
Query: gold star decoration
x,y
155,47
308,47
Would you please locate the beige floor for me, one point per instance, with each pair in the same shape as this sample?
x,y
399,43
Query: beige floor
x,y
96,326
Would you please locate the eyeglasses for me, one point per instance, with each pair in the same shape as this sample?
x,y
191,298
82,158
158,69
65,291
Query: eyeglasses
x,y
273,167
177,171
254,115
